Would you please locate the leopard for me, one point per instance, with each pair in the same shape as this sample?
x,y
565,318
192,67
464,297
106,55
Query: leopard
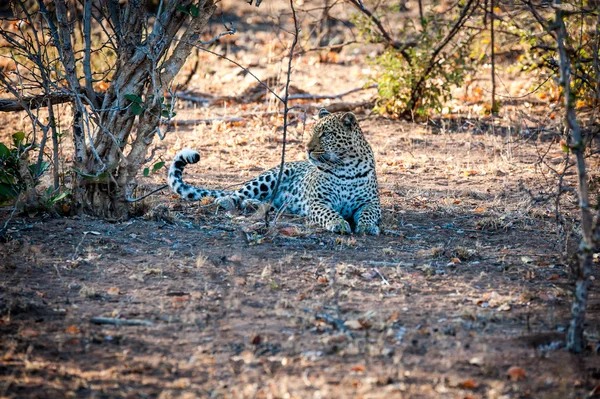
x,y
335,188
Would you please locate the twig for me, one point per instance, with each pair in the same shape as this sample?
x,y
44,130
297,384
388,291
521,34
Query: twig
x,y
303,96
184,122
382,276
121,322
147,195
493,59
285,113
10,216
402,47
307,96
244,69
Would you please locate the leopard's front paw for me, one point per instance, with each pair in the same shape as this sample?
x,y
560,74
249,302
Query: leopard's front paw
x,y
339,227
251,204
226,203
370,229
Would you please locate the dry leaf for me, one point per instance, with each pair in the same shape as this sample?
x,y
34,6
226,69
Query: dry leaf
x,y
468,384
477,361
516,373
553,277
505,307
137,277
113,291
29,333
359,368
290,231
256,340
479,210
72,329
353,324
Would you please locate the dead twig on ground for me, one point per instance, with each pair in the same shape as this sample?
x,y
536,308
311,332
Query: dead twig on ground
x,y
382,276
208,121
308,96
121,322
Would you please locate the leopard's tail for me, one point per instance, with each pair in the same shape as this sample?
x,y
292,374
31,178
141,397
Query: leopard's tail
x,y
186,191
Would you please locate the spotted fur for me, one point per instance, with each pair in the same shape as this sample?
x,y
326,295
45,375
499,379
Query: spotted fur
x,y
336,188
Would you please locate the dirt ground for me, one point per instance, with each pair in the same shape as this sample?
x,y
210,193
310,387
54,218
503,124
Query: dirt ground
x,y
466,293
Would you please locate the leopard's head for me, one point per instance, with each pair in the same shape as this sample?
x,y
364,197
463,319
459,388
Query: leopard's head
x,y
337,141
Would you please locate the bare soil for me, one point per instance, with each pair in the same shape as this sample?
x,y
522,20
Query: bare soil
x,y
466,282
466,294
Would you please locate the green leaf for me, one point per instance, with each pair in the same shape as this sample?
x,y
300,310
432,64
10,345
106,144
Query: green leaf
x,y
59,196
182,9
4,151
167,114
7,179
7,192
146,172
18,138
194,10
157,166
137,109
43,167
133,98
99,178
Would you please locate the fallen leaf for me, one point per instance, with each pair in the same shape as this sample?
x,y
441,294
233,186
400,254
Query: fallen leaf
x,y
526,259
353,324
290,231
503,308
359,368
516,373
468,384
72,329
137,277
113,291
150,270
29,333
476,361
553,277
179,302
256,340
207,201
479,209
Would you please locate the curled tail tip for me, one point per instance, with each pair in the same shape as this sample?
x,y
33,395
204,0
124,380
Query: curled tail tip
x,y
187,155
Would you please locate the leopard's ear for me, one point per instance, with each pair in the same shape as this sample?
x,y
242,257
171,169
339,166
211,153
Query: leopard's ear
x,y
349,119
323,113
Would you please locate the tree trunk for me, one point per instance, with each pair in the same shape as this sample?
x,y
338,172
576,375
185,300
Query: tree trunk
x,y
146,65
